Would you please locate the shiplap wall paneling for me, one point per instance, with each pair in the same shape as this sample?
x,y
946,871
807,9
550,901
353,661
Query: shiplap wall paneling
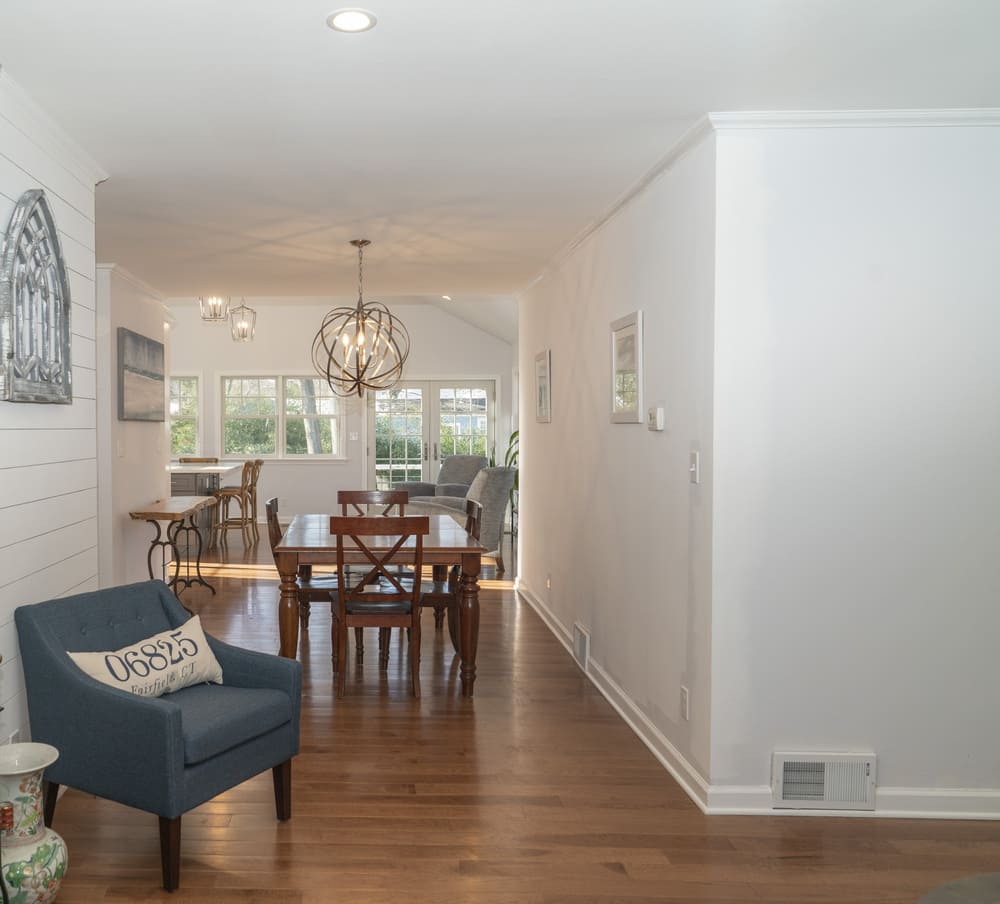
x,y
48,457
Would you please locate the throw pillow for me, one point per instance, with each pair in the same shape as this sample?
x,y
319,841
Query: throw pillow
x,y
158,665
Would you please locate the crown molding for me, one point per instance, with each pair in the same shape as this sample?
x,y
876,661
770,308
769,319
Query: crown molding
x,y
119,271
792,119
691,138
47,133
856,119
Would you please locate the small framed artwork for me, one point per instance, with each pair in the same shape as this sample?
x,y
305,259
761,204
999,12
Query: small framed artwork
x,y
140,377
543,386
626,369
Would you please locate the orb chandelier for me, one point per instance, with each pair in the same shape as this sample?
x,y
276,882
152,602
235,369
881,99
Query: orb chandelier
x,y
361,347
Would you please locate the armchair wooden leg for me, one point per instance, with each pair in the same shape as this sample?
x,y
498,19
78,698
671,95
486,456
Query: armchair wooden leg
x,y
170,852
51,791
359,644
282,775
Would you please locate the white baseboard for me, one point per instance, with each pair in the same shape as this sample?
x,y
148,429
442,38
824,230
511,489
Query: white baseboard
x,y
906,803
668,755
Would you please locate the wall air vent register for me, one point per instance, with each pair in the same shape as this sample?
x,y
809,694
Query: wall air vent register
x,y
823,781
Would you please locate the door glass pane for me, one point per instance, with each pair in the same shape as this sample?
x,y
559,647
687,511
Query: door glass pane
x,y
463,421
399,416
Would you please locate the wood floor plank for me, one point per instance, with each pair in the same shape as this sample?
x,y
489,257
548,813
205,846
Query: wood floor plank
x,y
534,792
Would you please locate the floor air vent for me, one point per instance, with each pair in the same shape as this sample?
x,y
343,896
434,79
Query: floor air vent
x,y
823,781
581,645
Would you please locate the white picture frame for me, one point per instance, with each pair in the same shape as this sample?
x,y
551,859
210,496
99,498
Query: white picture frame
x,y
626,369
543,386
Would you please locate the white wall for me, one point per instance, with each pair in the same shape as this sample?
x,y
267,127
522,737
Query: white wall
x,y
857,439
48,466
441,346
607,510
820,295
132,455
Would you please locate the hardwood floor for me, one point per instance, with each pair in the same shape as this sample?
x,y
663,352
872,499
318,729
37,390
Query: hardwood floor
x,y
534,792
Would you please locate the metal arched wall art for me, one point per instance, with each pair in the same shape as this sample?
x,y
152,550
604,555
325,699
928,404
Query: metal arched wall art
x,y
35,304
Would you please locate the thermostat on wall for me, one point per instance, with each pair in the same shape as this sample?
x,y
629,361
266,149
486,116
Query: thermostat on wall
x,y
654,419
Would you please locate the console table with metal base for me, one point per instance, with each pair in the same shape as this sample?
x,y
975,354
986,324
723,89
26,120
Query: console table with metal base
x,y
180,513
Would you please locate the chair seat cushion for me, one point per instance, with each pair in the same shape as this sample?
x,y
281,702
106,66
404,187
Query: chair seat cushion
x,y
215,719
356,607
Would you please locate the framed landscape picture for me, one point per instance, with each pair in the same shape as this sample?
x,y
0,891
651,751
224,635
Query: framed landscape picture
x,y
140,377
626,369
543,386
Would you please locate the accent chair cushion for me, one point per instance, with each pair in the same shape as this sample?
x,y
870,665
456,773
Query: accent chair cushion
x,y
217,719
161,664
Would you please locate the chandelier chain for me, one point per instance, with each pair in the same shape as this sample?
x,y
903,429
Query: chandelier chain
x,y
361,264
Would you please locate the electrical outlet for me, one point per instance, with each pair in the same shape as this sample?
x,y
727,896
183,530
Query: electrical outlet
x,y
685,703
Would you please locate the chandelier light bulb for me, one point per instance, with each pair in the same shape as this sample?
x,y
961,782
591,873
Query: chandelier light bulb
x,y
214,308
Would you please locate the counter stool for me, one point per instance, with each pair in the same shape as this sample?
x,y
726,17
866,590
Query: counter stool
x,y
225,518
257,465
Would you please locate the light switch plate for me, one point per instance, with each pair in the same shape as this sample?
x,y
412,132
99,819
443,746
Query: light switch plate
x,y
655,419
694,469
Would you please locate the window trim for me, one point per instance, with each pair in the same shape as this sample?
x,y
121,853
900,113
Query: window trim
x,y
199,419
280,416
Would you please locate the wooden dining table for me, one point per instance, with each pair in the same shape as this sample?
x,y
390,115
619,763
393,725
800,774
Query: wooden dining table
x,y
308,541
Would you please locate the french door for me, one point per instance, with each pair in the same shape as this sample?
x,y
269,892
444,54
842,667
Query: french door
x,y
415,425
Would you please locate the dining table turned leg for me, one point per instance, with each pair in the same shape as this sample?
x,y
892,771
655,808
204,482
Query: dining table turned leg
x,y
288,606
468,606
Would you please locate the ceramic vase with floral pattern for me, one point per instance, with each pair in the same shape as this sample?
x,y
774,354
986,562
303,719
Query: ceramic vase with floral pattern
x,y
34,857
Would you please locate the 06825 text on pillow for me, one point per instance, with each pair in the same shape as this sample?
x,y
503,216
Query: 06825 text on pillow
x,y
158,665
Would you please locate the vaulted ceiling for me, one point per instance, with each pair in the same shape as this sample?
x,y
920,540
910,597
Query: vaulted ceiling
x,y
470,140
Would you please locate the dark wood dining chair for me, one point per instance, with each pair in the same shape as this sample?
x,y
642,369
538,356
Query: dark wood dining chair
x,y
362,503
312,587
377,597
442,594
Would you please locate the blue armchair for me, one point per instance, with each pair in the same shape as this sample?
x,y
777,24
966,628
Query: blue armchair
x,y
168,754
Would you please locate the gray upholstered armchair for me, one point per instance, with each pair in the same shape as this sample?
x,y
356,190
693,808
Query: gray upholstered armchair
x,y
491,489
454,478
165,754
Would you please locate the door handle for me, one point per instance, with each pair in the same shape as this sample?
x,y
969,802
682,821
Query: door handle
x,y
435,451
425,451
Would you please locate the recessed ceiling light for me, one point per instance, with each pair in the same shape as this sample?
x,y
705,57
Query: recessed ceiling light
x,y
446,297
351,20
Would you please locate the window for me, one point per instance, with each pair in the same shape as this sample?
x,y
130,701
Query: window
x,y
183,416
312,421
280,416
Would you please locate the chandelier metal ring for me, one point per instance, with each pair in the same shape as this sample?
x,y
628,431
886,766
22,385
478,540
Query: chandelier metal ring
x,y
361,347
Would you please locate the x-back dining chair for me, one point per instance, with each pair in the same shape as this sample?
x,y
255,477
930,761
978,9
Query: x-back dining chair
x,y
320,588
378,597
361,503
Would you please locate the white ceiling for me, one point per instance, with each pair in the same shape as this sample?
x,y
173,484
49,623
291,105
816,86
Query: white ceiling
x,y
469,139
